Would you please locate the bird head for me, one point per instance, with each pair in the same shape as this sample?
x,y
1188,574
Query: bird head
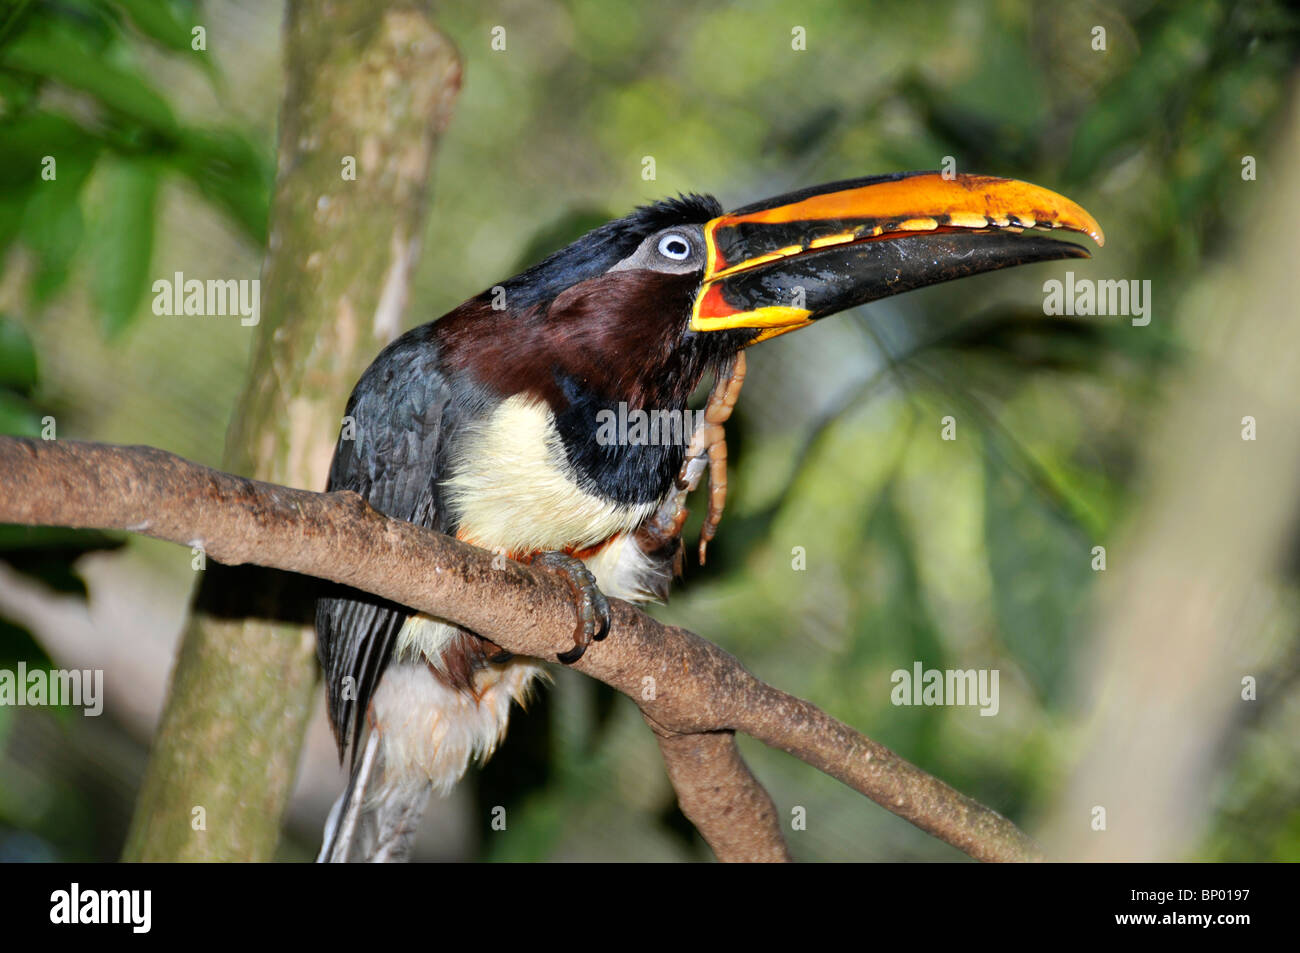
x,y
639,308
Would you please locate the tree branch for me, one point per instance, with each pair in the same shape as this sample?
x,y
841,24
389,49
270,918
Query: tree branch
x,y
693,693
721,797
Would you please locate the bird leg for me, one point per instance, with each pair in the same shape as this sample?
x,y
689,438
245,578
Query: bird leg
x,y
708,447
590,602
495,653
722,401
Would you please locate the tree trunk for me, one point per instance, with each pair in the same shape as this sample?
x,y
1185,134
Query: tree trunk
x,y
369,89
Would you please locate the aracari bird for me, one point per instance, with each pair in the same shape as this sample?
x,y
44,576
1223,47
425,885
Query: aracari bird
x,y
485,425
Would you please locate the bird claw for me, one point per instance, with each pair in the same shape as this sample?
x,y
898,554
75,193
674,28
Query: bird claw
x,y
706,451
590,602
722,401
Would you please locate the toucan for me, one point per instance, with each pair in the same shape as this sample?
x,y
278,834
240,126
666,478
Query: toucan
x,y
492,424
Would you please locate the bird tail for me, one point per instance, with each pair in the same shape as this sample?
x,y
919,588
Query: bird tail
x,y
373,821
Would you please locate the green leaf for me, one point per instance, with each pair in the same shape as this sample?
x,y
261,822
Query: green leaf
x,y
123,243
1156,86
230,172
1040,572
30,138
11,17
17,357
17,92
53,225
11,220
167,24
45,214
893,627
170,24
17,417
56,51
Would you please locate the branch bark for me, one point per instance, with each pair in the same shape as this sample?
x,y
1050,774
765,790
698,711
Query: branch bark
x,y
720,795
693,694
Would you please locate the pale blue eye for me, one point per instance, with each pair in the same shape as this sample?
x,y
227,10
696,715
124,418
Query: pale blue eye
x,y
675,246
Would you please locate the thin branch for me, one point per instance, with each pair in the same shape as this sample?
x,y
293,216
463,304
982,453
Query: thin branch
x,y
683,684
721,797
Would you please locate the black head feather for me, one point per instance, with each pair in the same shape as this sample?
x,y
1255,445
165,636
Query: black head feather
x,y
602,248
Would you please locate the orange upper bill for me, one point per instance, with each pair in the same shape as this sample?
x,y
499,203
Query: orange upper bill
x,y
926,201
785,262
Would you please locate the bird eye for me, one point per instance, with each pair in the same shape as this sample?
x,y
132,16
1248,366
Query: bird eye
x,y
675,246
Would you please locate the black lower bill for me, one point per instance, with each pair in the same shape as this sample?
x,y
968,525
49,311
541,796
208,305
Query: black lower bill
x,y
841,277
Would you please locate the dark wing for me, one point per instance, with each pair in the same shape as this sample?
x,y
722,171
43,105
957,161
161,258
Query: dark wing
x,y
399,428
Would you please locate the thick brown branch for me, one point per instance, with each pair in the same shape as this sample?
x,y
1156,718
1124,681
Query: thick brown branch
x,y
683,684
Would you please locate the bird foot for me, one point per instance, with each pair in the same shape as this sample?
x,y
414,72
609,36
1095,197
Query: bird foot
x,y
707,449
590,602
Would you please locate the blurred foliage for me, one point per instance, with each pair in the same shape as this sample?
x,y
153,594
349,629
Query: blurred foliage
x,y
76,103
74,97
972,553
17,379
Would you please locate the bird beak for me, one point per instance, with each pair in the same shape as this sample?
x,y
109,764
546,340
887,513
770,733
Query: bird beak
x,y
779,265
